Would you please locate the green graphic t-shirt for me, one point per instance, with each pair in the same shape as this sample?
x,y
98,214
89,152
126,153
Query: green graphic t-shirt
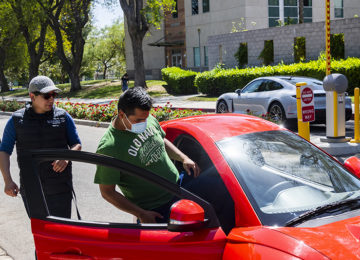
x,y
146,150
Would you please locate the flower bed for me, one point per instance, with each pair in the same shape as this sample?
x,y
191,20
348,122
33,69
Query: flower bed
x,y
105,112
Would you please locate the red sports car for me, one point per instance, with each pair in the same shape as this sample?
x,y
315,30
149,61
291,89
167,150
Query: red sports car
x,y
264,193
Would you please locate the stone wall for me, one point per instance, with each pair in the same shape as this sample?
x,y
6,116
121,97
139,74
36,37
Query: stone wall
x,y
223,47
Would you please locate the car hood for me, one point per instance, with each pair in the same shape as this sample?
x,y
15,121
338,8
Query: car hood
x,y
338,240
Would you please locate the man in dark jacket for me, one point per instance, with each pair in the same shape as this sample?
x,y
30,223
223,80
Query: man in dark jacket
x,y
41,125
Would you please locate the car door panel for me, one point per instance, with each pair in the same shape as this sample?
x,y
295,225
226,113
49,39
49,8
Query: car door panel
x,y
246,101
55,240
62,238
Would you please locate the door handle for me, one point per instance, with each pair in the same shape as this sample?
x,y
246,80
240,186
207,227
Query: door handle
x,y
65,256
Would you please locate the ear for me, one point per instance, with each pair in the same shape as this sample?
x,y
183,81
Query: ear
x,y
121,113
32,96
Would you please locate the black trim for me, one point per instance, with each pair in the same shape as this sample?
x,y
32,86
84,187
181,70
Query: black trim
x,y
37,205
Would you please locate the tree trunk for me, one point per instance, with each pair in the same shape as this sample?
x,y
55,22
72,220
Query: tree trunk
x,y
301,11
35,45
75,81
137,28
3,81
104,72
138,55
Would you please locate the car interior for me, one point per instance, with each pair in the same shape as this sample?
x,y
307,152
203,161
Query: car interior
x,y
209,184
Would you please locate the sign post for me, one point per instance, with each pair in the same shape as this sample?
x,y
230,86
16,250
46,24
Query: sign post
x,y
305,108
307,104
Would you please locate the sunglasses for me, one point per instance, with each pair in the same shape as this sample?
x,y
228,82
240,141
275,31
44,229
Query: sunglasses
x,y
46,95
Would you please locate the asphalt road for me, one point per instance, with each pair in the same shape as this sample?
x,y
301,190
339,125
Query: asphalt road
x,y
15,231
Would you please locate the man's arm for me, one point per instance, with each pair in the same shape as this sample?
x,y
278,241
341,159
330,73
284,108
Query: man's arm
x,y
175,154
109,193
73,140
11,188
60,165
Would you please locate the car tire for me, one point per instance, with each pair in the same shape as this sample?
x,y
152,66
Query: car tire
x,y
277,113
222,107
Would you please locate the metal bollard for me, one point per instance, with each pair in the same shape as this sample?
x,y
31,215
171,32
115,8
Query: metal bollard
x,y
356,118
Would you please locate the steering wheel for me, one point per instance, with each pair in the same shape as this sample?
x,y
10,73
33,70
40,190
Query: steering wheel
x,y
276,186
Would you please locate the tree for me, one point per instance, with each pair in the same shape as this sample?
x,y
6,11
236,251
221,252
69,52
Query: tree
x,y
68,20
33,23
140,17
9,38
301,11
107,47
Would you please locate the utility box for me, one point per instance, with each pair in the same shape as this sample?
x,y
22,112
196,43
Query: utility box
x,y
335,86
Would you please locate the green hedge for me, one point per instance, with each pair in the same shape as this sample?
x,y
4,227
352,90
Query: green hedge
x,y
219,81
179,81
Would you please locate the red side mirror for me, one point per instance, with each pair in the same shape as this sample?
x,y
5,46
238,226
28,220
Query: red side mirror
x,y
186,215
353,165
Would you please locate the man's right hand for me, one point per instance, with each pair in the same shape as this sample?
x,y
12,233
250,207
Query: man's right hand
x,y
11,189
148,216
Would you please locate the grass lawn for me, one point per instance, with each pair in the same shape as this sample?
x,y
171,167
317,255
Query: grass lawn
x,y
94,89
203,98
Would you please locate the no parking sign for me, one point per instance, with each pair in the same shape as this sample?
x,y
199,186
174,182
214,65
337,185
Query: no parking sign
x,y
307,103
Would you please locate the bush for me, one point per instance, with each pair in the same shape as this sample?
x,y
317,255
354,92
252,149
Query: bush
x,y
179,81
242,55
337,46
11,106
267,54
299,49
219,81
105,113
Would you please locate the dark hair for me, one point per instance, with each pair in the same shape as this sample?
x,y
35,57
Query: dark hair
x,y
133,98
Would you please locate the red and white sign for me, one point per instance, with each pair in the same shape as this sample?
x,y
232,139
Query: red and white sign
x,y
307,103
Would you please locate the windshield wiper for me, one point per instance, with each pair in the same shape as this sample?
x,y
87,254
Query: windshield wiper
x,y
336,206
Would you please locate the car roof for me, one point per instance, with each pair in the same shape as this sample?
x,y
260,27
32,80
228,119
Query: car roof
x,y
285,78
220,126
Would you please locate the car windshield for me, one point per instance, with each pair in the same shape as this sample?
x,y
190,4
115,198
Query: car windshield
x,y
317,84
284,176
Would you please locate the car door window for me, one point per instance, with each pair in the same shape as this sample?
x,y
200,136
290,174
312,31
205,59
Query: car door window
x,y
208,181
273,85
252,87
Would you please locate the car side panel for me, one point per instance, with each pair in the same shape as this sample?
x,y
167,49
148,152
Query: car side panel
x,y
254,251
65,241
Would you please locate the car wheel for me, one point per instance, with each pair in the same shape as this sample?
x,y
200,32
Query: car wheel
x,y
222,107
277,112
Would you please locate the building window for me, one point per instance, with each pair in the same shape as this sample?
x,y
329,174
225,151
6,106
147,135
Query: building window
x,y
196,57
206,6
290,14
195,7
290,11
339,8
175,12
274,15
176,58
206,59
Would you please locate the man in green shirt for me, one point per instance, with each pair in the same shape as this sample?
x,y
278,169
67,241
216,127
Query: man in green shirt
x,y
136,137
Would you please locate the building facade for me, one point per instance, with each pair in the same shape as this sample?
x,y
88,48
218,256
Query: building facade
x,y
184,38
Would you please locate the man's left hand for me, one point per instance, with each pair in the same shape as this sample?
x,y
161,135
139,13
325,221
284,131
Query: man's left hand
x,y
189,164
59,165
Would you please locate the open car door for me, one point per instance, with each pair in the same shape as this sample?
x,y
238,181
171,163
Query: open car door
x,y
184,237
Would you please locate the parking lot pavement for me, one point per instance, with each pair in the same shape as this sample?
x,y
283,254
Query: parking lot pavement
x,y
4,256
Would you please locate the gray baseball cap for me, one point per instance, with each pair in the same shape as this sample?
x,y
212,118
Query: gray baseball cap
x,y
42,84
